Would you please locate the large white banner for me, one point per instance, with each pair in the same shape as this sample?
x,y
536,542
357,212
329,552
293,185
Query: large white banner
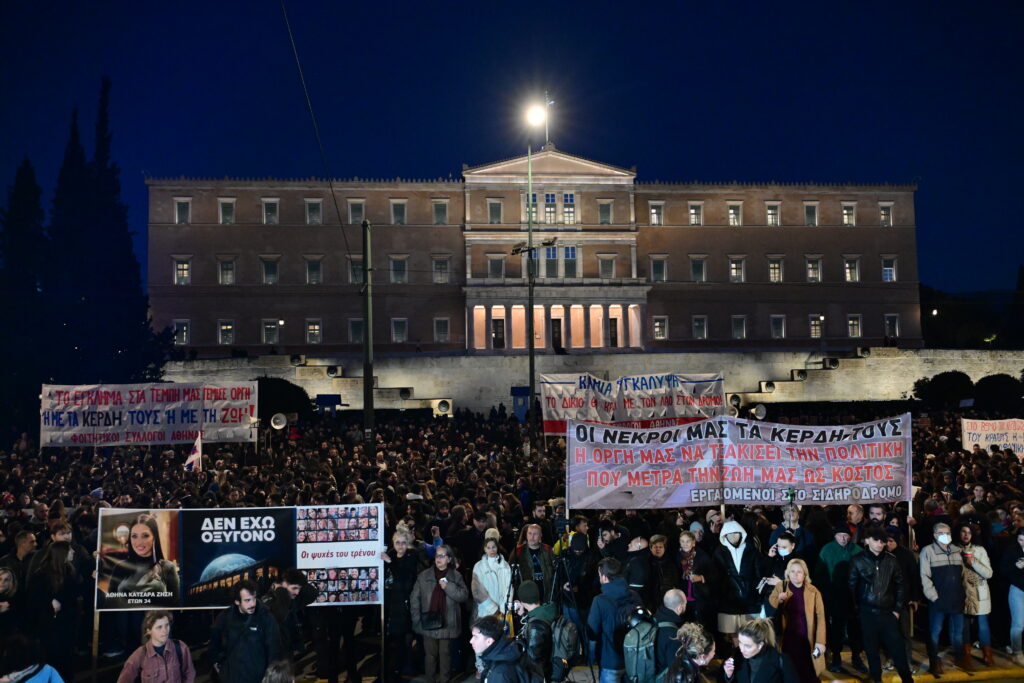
x,y
119,414
633,401
1002,433
726,459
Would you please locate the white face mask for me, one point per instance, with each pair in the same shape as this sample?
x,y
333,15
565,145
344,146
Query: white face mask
x,y
944,539
783,552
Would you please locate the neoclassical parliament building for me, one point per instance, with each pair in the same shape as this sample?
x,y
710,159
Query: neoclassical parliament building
x,y
252,267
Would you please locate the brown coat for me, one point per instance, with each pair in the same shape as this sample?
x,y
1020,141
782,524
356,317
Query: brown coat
x,y
455,592
814,612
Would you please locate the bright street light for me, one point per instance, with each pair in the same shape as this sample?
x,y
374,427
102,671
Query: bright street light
x,y
536,115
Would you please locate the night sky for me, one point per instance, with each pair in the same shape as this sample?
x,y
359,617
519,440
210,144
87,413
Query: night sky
x,y
929,93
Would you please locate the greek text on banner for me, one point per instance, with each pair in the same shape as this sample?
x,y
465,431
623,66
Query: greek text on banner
x,y
726,459
1000,433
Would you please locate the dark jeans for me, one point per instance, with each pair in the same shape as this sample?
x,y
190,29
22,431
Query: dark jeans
x,y
331,625
883,628
843,628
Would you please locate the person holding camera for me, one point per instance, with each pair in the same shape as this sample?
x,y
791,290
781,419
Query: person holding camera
x,y
436,606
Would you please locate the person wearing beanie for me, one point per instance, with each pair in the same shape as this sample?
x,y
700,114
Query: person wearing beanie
x,y
535,633
833,581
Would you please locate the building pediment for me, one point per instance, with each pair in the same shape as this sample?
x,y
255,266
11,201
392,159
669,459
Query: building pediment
x,y
549,165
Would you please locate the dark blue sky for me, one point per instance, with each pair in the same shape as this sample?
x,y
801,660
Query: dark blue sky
x,y
870,91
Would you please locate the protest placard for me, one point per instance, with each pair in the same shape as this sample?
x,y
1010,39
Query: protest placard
x,y
158,413
638,401
736,461
1000,433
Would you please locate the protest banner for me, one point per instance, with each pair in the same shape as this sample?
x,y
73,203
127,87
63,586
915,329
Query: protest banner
x,y
1000,433
730,460
190,559
120,414
638,401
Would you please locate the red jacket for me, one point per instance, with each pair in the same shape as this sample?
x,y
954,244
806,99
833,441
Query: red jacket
x,y
155,668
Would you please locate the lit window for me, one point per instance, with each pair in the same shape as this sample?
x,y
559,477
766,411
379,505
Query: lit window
x,y
399,271
892,325
226,211
735,214
814,270
314,212
775,270
851,269
225,331
441,271
816,322
849,215
398,212
355,330
494,211
604,213
181,332
696,214
698,269
440,212
355,271
271,332
442,332
737,270
657,213
270,211
700,327
569,261
606,267
356,211
810,214
853,328
659,269
660,324
270,272
569,207
399,330
496,267
774,214
314,272
182,272
778,326
532,208
314,331
889,270
182,211
551,262
739,327
885,215
550,208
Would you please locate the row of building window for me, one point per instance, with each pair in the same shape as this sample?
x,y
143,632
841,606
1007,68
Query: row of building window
x,y
270,211
776,326
552,267
270,329
773,213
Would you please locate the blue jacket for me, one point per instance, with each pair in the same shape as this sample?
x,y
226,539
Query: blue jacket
x,y
607,621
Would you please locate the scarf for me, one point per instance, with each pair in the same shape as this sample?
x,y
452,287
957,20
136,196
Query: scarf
x,y
686,568
438,600
972,604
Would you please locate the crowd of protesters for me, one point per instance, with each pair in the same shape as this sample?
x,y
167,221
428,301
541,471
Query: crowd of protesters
x,y
479,544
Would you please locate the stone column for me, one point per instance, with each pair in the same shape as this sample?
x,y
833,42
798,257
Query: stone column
x,y
470,328
626,331
488,331
548,344
606,333
567,326
632,260
586,326
642,326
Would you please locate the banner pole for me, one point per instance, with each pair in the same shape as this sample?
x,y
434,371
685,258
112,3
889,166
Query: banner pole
x,y
95,645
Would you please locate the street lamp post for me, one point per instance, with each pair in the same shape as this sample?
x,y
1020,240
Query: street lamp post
x,y
535,116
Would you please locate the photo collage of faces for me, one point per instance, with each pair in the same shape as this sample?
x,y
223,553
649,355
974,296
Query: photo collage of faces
x,y
345,585
333,524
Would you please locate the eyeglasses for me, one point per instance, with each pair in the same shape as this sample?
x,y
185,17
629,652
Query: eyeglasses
x,y
442,556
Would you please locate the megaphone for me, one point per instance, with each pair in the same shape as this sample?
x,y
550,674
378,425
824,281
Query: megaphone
x,y
758,412
279,421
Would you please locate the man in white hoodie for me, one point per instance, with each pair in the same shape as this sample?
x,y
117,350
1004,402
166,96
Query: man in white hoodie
x,y
740,568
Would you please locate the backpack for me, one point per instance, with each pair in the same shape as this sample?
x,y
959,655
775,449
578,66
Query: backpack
x,y
565,647
638,647
662,676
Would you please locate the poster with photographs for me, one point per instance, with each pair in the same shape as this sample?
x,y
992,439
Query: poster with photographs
x,y
139,564
339,547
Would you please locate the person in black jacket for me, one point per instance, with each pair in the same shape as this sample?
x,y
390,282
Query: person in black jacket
x,y
502,659
696,576
739,569
696,650
912,588
401,566
608,614
286,600
879,593
664,574
245,638
760,661
668,618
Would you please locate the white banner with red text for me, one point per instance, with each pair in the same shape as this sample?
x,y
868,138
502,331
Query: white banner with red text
x,y
735,461
638,401
157,413
1002,434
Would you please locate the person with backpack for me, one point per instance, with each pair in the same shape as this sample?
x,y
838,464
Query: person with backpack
x,y
668,619
160,659
607,622
503,659
535,633
760,660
